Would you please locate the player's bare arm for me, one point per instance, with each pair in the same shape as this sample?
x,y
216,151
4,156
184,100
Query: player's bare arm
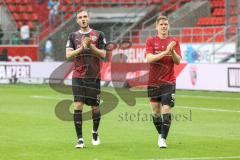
x,y
73,53
70,53
100,53
176,58
153,58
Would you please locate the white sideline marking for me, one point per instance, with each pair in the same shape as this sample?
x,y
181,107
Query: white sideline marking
x,y
210,109
197,158
207,97
49,97
185,107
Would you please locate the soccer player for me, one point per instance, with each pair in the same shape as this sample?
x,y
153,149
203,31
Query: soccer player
x,y
162,52
85,47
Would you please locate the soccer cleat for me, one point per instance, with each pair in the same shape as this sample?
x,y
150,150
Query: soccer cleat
x,y
161,142
80,144
95,139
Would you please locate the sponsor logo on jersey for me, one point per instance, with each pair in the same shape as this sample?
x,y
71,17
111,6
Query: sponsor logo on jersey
x,y
93,38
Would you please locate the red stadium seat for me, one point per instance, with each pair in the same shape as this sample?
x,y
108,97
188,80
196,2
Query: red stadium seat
x,y
187,31
234,3
204,21
29,8
116,1
31,25
166,7
197,39
16,16
77,1
234,11
186,39
215,4
135,40
207,38
197,31
78,7
12,8
218,21
19,24
33,17
12,1
219,39
71,9
232,30
233,20
68,16
219,30
219,12
20,8
208,31
24,16
9,1
24,2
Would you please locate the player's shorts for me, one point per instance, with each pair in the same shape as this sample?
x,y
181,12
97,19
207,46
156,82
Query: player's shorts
x,y
86,91
164,94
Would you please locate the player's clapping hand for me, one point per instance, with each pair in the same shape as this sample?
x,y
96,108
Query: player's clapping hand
x,y
171,46
86,42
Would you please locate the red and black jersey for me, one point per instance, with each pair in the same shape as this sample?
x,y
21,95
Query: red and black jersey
x,y
86,64
161,71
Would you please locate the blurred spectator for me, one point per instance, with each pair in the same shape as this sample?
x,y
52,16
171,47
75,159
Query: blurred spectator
x,y
25,33
1,34
4,55
53,11
15,39
48,50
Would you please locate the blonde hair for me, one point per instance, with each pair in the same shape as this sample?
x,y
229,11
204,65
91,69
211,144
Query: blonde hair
x,y
161,18
82,10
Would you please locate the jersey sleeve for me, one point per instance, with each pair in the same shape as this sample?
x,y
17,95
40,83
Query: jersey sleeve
x,y
101,41
70,44
149,46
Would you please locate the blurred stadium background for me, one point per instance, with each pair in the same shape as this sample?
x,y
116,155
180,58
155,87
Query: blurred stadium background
x,y
209,34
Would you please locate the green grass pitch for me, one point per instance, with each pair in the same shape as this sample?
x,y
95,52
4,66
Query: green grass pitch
x,y
206,125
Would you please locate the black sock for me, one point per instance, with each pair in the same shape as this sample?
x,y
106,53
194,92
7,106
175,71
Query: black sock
x,y
157,121
166,125
78,122
96,116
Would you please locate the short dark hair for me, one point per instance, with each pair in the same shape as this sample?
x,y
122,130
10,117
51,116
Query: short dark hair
x,y
161,17
82,10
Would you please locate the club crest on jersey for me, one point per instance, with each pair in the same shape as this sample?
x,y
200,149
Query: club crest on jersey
x,y
93,38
